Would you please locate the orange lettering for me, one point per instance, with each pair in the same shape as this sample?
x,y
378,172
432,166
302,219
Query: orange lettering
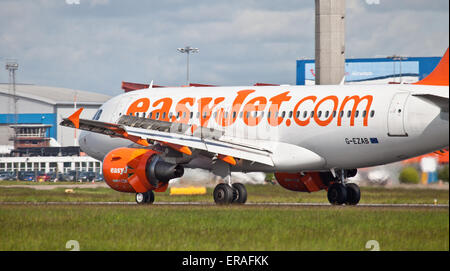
x,y
140,105
164,110
330,118
182,109
205,110
236,107
250,108
297,120
357,100
275,107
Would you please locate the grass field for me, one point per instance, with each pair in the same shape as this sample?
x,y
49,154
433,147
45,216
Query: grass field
x,y
221,228
256,193
156,227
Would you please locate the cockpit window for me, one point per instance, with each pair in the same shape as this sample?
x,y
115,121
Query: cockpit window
x,y
97,114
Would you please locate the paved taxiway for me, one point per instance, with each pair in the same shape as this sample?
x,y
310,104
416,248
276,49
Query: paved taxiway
x,y
280,204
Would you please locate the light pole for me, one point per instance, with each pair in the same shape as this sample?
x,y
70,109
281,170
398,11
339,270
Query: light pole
x,y
188,50
12,66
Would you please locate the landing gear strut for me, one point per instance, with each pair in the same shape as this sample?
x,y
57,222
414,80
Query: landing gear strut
x,y
340,192
226,194
145,198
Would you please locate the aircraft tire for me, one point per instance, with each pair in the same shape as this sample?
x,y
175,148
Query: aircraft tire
x,y
353,194
150,197
223,194
145,198
240,197
140,198
337,194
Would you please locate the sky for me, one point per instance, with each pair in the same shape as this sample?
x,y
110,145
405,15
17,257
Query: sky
x,y
94,45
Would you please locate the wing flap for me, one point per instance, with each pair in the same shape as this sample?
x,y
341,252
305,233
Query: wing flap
x,y
207,144
174,135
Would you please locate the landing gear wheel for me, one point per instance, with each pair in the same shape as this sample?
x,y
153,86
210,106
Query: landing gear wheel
x,y
145,198
337,194
223,194
240,195
353,194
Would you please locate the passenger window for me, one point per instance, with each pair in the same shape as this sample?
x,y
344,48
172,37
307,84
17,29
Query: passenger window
x,y
327,114
290,114
312,114
298,114
305,114
342,114
268,114
319,114
356,113
192,115
234,114
241,114
262,114
372,113
164,115
283,114
364,114
334,114
157,115
150,115
349,114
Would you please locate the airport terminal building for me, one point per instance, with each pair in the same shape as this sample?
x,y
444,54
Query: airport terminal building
x,y
31,124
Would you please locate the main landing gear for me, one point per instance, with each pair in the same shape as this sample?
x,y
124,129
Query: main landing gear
x,y
227,194
145,198
340,192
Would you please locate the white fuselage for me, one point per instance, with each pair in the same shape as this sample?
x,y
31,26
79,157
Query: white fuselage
x,y
377,125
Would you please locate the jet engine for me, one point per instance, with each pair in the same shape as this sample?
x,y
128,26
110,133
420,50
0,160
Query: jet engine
x,y
138,170
305,182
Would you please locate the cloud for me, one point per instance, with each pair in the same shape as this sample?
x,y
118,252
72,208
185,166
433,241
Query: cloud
x,y
97,44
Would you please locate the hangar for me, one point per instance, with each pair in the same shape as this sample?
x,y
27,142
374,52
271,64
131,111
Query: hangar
x,y
38,110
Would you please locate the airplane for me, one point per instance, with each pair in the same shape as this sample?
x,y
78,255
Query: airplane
x,y
311,137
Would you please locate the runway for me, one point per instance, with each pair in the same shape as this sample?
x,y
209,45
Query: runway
x,y
268,204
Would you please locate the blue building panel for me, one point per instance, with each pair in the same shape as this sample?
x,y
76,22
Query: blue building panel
x,y
369,69
49,119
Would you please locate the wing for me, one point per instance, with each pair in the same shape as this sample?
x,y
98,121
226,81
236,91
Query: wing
x,y
179,136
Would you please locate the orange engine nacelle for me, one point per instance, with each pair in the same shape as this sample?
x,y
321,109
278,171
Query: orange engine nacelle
x,y
138,170
307,182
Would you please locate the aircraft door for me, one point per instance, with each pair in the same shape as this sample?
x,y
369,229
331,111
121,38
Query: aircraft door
x,y
396,115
